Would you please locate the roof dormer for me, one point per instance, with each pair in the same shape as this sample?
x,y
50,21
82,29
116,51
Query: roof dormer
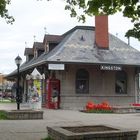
x,y
51,41
38,49
28,53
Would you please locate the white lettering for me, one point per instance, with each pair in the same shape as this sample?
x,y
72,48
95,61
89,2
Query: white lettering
x,y
110,67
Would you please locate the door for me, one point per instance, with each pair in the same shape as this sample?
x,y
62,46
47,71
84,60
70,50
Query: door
x,y
53,94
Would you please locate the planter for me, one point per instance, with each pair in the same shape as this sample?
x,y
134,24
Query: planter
x,y
97,132
126,109
24,114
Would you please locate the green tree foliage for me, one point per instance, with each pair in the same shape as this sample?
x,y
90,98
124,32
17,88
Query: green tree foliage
x,y
135,32
4,12
129,8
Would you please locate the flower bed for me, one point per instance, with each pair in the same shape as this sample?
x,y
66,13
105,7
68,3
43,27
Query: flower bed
x,y
135,104
103,107
94,132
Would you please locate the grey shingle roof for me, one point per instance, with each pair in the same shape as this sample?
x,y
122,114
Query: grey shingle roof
x,y
52,38
38,45
78,46
28,51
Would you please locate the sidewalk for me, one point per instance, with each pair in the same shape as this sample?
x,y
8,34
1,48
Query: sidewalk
x,y
36,129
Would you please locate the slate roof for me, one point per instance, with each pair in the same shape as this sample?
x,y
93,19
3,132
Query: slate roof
x,y
38,45
78,46
28,51
52,38
77,50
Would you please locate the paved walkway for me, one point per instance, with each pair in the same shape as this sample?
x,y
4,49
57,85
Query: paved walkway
x,y
36,129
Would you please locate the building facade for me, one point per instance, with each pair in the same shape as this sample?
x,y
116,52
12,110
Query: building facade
x,y
91,64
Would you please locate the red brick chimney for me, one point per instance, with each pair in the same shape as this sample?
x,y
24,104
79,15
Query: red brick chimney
x,y
101,32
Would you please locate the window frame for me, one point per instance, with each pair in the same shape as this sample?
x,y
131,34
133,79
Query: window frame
x,y
82,76
121,78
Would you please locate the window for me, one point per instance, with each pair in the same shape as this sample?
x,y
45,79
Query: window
x,y
82,81
40,52
121,82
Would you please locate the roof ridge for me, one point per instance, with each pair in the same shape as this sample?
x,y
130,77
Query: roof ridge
x,y
79,27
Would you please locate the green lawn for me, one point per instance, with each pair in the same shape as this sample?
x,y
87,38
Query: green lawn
x,y
7,101
48,138
3,115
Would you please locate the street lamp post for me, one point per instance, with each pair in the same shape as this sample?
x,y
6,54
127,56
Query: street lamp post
x,y
18,61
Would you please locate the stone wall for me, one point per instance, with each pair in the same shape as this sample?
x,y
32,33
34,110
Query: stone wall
x,y
60,133
101,87
24,114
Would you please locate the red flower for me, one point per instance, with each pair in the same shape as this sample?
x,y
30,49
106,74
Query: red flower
x,y
90,105
103,106
135,104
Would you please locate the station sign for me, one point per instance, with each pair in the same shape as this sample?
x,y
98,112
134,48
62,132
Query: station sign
x,y
111,67
56,66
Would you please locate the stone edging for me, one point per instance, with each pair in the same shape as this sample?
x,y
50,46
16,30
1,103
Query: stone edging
x,y
24,114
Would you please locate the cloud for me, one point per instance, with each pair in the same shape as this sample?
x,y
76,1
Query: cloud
x,y
32,16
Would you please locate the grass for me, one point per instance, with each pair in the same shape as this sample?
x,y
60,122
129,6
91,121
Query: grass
x,y
47,138
99,111
7,101
3,115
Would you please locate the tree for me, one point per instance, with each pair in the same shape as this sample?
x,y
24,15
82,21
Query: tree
x,y
129,8
4,12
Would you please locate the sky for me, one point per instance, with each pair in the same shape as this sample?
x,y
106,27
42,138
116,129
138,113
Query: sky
x,y
34,18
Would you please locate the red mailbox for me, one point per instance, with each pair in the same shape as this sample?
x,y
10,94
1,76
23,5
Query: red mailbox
x,y
53,93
